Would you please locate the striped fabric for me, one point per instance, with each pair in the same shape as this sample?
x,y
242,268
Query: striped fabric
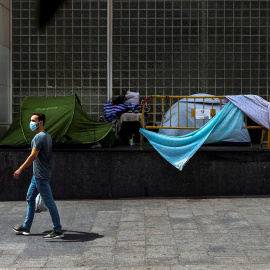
x,y
112,112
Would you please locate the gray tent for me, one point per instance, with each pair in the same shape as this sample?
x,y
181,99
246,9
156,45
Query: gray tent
x,y
241,137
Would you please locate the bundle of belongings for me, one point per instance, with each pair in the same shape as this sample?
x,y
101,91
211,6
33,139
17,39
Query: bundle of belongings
x,y
125,110
129,102
225,125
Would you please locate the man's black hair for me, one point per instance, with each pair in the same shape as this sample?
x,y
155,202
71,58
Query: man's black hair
x,y
41,116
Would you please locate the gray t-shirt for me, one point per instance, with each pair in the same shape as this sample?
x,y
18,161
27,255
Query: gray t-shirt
x,y
41,166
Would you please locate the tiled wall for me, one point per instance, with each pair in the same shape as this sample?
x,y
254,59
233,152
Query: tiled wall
x,y
68,55
185,47
5,102
178,47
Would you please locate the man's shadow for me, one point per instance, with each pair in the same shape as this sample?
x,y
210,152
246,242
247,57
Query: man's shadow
x,y
75,236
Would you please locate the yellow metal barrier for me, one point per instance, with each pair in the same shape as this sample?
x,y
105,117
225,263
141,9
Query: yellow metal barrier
x,y
158,100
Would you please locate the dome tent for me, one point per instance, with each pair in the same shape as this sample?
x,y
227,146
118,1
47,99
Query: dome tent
x,y
66,122
186,118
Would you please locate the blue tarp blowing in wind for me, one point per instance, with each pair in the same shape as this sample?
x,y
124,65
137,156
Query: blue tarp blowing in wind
x,y
179,149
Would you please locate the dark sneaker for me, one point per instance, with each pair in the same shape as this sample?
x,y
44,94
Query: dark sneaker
x,y
21,230
53,235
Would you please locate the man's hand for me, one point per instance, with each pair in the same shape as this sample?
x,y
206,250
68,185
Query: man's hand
x,y
27,163
17,174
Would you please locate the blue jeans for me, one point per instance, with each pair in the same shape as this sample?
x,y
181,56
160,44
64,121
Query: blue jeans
x,y
43,187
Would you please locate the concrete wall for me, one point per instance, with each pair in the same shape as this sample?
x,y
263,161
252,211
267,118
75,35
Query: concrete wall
x,y
5,59
91,174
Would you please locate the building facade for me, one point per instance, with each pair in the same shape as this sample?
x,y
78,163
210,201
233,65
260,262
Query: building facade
x,y
5,66
102,48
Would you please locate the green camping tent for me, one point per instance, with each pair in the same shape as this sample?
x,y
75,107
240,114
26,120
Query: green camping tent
x,y
66,122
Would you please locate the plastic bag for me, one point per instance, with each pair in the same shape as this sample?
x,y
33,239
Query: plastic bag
x,y
40,205
133,97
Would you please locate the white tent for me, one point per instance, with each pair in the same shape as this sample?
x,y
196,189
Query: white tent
x,y
188,120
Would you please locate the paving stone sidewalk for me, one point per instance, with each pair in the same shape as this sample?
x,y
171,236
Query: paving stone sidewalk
x,y
142,234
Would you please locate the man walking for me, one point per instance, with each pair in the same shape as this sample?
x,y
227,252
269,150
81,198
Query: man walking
x,y
40,157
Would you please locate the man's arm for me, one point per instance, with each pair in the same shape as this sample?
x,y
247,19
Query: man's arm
x,y
27,163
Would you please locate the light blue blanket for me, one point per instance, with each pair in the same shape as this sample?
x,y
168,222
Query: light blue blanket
x,y
179,149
